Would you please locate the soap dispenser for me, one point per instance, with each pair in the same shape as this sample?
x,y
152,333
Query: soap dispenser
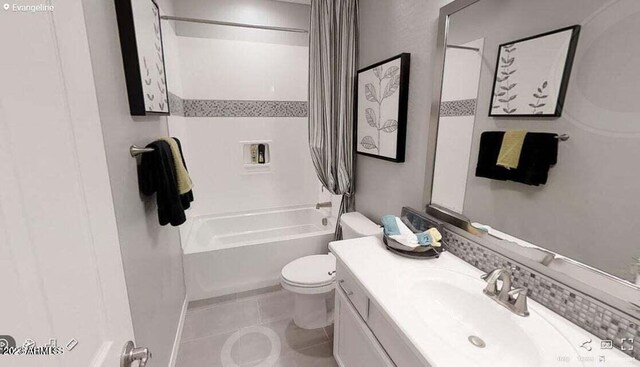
x,y
261,154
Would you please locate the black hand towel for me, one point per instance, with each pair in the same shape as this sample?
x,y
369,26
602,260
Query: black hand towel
x,y
539,153
157,175
186,198
490,143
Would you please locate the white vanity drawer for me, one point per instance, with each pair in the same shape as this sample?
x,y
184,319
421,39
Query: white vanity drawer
x,y
352,290
389,337
354,344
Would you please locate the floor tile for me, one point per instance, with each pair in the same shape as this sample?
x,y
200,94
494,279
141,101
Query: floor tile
x,y
202,352
275,306
329,331
258,343
293,338
220,319
250,331
320,355
284,361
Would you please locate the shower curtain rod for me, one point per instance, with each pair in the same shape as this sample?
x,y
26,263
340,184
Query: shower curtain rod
x,y
464,47
231,24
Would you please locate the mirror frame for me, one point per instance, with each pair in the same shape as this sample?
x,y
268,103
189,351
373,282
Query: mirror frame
x,y
460,224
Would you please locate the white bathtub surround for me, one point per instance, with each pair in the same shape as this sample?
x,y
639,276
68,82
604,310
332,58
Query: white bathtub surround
x,y
232,253
216,69
410,306
244,91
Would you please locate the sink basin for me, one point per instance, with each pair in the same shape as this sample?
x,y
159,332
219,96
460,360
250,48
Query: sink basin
x,y
452,306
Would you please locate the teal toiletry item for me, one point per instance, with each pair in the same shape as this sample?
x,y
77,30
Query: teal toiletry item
x,y
390,225
424,239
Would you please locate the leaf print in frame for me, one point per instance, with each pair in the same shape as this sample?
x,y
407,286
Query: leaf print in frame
x,y
540,96
390,126
503,95
371,117
140,30
371,93
381,109
392,86
368,143
532,74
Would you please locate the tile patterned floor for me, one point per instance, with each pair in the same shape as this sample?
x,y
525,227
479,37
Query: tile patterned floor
x,y
251,329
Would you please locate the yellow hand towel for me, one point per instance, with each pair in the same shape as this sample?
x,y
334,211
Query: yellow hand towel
x,y
436,236
182,176
511,148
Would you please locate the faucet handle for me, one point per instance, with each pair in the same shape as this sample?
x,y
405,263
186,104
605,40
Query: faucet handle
x,y
492,281
519,302
518,292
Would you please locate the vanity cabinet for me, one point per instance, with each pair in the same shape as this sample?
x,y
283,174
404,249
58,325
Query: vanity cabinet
x,y
354,344
363,337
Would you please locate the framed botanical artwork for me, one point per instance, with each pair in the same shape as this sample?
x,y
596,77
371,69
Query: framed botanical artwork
x,y
381,108
532,74
143,56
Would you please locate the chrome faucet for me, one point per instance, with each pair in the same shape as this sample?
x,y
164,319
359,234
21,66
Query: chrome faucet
x,y
323,205
513,299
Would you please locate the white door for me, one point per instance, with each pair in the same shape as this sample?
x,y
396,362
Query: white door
x,y
61,274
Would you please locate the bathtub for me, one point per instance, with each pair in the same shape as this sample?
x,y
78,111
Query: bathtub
x,y
226,254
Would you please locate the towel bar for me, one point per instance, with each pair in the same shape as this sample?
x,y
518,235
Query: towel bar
x,y
136,150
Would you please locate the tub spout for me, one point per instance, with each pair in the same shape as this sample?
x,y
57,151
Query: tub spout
x,y
323,205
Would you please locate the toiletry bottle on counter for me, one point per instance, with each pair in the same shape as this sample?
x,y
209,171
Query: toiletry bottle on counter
x,y
261,154
254,153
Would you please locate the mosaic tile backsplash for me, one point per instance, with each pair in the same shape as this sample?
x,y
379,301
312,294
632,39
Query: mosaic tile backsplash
x,y
236,108
590,314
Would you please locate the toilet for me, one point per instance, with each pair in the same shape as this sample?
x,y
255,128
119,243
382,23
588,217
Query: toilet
x,y
312,278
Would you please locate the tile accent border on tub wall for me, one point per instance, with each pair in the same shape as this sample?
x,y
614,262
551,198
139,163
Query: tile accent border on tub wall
x,y
587,312
461,107
236,108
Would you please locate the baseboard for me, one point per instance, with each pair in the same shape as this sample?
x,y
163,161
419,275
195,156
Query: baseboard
x,y
176,342
239,288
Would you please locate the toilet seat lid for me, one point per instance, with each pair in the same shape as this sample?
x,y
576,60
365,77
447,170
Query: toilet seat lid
x,y
309,271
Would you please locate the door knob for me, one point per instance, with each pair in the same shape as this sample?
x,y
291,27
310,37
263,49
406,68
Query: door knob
x,y
130,354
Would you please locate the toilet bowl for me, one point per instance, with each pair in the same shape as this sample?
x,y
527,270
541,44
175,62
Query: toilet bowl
x,y
312,278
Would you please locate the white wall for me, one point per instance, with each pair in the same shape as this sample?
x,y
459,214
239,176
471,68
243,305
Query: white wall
x,y
221,185
221,69
260,12
460,82
151,254
226,69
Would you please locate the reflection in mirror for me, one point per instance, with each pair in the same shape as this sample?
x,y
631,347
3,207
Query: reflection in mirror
x,y
580,216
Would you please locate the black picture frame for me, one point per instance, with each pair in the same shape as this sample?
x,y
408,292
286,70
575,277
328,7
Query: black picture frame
x,y
403,101
139,101
564,81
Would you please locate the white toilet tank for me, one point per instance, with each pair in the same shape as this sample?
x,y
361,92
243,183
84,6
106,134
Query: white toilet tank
x,y
355,225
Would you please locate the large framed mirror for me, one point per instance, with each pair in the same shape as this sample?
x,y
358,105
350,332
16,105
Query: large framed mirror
x,y
561,192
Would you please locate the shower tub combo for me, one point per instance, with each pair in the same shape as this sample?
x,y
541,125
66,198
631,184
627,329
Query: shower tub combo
x,y
226,254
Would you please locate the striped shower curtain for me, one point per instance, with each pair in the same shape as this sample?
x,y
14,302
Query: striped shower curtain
x,y
333,38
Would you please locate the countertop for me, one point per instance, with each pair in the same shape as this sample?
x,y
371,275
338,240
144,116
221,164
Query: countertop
x,y
386,277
